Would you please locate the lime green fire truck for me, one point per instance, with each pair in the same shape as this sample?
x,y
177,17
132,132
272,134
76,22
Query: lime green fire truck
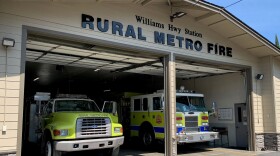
x,y
74,123
147,118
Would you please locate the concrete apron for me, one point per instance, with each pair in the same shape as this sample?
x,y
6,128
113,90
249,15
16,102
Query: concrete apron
x,y
203,152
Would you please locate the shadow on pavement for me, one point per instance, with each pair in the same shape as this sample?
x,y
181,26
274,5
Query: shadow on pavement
x,y
131,148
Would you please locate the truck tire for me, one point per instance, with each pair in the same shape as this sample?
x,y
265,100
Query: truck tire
x,y
111,151
147,137
49,148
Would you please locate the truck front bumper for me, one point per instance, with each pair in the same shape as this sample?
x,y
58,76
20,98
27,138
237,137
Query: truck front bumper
x,y
88,144
197,137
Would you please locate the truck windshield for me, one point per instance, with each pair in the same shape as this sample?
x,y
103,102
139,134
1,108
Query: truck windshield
x,y
187,103
75,105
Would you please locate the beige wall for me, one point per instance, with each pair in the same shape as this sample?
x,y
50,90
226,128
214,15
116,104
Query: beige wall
x,y
266,90
276,80
66,17
257,101
9,87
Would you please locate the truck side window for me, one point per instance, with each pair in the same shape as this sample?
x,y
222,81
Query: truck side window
x,y
49,108
45,109
137,104
156,103
145,104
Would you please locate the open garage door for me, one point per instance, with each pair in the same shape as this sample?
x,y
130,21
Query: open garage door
x,y
104,73
225,89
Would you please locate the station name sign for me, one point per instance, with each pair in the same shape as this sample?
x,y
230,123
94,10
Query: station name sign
x,y
129,31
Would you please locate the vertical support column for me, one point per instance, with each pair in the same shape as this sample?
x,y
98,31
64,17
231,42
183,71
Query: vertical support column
x,y
21,93
249,107
170,105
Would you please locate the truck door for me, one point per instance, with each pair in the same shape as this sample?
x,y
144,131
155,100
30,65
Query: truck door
x,y
158,117
146,112
47,114
111,107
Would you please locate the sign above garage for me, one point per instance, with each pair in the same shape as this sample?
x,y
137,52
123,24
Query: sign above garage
x,y
117,28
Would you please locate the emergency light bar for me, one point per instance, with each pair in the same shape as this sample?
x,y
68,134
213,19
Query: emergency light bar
x,y
41,96
178,91
185,91
75,96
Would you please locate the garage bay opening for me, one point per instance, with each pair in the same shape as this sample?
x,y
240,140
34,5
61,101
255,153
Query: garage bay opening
x,y
82,96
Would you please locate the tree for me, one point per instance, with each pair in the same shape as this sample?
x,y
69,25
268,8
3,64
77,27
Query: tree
x,y
277,42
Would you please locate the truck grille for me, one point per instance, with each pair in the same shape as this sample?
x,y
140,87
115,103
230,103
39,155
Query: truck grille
x,y
93,127
191,123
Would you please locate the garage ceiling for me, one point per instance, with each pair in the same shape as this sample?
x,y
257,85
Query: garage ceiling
x,y
113,60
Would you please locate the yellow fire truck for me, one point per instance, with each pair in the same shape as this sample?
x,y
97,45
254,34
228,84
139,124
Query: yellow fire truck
x,y
71,123
147,118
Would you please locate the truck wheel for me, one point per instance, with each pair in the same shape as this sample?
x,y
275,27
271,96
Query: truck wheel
x,y
147,137
49,148
111,151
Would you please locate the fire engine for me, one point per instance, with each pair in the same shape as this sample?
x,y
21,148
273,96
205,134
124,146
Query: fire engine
x,y
147,118
70,123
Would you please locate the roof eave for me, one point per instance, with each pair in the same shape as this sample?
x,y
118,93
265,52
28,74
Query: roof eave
x,y
250,31
222,11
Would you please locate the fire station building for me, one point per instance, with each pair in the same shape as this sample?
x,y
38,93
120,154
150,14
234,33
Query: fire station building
x,y
90,47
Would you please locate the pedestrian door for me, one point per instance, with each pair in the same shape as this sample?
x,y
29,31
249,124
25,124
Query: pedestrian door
x,y
241,125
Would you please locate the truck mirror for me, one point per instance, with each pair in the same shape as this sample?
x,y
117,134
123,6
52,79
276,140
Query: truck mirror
x,y
214,107
213,112
110,107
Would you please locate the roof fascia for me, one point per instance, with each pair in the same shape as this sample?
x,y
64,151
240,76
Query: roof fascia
x,y
206,6
250,31
222,11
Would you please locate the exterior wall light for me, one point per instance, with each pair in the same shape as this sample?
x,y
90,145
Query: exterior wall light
x,y
177,15
259,76
8,42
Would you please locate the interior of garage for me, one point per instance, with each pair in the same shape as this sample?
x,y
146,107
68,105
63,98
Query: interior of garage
x,y
226,86
225,96
64,67
69,67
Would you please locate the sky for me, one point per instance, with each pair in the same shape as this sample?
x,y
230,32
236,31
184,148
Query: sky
x,y
261,15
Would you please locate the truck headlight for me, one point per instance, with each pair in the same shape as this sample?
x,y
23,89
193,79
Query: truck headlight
x,y
204,124
64,132
61,132
118,129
